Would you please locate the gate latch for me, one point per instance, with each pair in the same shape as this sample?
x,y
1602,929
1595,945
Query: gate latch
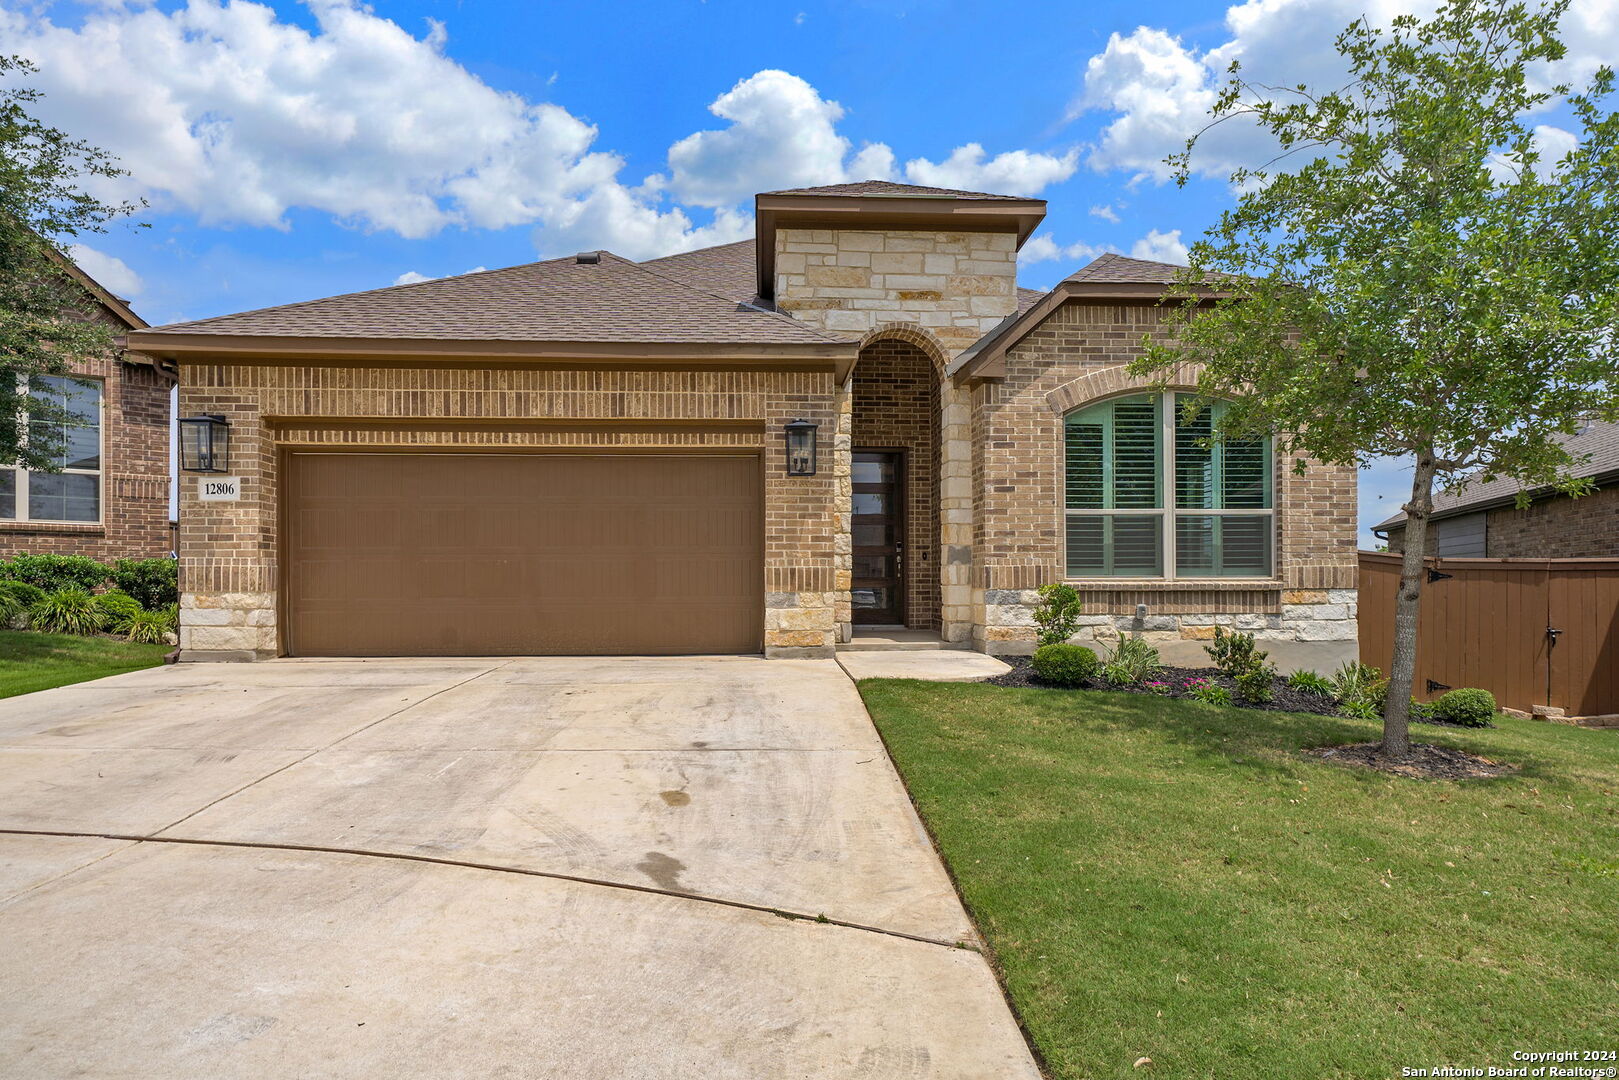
x,y
1551,633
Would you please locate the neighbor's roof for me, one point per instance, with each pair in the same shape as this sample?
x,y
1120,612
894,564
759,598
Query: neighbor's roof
x,y
1595,448
117,305
729,271
888,187
1106,276
613,300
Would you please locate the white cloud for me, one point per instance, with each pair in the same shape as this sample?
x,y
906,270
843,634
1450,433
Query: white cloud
x,y
111,272
411,277
1161,89
1016,172
1043,248
1106,213
1163,247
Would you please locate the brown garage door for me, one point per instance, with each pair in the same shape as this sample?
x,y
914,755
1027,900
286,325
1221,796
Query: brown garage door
x,y
485,554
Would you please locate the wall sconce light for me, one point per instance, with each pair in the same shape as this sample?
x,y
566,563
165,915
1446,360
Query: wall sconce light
x,y
205,443
801,447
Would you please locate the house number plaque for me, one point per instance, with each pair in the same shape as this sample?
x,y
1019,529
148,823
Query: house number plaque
x,y
219,488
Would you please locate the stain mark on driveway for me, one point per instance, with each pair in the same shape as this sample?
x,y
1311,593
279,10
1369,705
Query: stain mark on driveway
x,y
663,869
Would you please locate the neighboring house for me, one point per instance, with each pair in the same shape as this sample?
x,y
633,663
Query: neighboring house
x,y
111,498
590,455
1482,520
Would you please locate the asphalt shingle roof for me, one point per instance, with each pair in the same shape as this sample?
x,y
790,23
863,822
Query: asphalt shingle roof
x,y
559,300
727,270
888,187
1118,268
1597,445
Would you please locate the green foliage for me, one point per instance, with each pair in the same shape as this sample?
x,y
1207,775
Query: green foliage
x,y
154,582
1133,660
1057,613
118,608
1233,652
1468,707
1354,681
1420,710
29,594
1257,684
1311,683
53,572
151,627
67,611
1116,674
12,608
1209,693
1064,665
1359,709
47,321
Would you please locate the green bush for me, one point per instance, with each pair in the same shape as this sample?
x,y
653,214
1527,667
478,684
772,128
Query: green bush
x,y
67,611
28,594
1358,709
154,582
1064,665
1355,681
1310,683
54,573
1057,614
1468,707
1136,661
1116,674
1421,710
1209,693
1233,652
1257,684
11,609
119,608
151,627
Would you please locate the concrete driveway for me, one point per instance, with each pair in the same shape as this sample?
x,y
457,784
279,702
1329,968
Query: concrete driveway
x,y
558,868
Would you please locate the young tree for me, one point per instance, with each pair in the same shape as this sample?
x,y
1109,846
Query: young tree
x,y
1424,282
47,321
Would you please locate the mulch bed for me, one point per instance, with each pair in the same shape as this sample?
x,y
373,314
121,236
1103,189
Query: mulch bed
x,y
1427,762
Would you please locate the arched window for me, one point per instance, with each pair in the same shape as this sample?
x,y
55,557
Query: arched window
x,y
1144,496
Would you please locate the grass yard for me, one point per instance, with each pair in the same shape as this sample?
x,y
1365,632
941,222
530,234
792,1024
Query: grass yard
x,y
30,661
1173,880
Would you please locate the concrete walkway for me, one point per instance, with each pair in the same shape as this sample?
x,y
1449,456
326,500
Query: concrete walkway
x,y
539,867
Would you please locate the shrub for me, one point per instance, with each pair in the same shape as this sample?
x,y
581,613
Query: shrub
x,y
12,608
1310,683
1359,709
67,611
1421,710
1208,692
151,627
1257,684
1468,707
1064,665
54,573
1355,681
1116,674
119,608
154,582
1057,613
1233,652
28,594
1135,660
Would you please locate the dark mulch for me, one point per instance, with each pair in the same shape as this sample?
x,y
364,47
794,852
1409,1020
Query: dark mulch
x,y
1172,682
1427,762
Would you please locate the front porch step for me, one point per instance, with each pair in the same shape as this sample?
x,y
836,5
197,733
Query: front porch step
x,y
898,640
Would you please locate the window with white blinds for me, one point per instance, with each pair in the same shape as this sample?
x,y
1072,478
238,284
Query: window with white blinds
x,y
1145,490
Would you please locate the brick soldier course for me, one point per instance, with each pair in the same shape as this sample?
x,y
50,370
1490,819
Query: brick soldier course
x,y
887,314
134,474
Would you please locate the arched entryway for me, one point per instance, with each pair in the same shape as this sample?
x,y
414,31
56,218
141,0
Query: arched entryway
x,y
894,528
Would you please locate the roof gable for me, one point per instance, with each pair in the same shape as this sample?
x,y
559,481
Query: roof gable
x,y
889,188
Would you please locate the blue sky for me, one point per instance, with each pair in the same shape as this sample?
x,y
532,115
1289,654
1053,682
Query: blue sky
x,y
295,150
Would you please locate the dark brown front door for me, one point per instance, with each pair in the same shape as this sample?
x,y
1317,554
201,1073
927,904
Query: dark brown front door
x,y
486,554
879,540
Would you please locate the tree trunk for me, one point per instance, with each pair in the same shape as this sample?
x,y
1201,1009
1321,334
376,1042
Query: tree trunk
x,y
1403,666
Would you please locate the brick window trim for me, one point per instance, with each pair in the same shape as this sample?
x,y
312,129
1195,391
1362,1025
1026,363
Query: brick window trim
x,y
59,527
1181,584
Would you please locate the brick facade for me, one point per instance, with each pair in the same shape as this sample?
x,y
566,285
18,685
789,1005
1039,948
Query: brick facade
x,y
1077,357
1555,528
134,474
229,550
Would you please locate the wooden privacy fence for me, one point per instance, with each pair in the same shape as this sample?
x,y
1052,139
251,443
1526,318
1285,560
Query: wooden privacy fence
x,y
1530,631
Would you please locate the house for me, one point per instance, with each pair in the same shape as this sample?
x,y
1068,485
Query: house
x,y
855,420
111,498
1482,520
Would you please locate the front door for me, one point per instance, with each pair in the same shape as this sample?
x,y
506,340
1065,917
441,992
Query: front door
x,y
879,540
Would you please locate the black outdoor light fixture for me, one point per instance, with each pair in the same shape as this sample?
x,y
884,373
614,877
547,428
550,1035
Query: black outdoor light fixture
x,y
801,447
205,443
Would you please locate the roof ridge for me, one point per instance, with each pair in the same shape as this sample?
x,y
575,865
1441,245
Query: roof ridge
x,y
799,323
697,251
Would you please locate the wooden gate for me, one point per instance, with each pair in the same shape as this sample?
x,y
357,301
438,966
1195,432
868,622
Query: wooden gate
x,y
1530,631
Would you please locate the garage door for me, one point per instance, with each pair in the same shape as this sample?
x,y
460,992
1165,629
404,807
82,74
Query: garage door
x,y
485,554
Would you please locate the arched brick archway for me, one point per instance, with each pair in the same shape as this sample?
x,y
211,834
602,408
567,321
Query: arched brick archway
x,y
1117,380
895,410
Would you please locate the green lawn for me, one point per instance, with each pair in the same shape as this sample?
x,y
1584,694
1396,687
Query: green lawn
x,y
30,661
1172,880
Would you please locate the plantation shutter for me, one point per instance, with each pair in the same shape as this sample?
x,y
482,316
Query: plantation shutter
x,y
1229,475
1113,462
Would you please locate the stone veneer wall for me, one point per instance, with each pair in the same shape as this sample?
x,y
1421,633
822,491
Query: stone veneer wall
x,y
940,291
1074,358
229,550
134,474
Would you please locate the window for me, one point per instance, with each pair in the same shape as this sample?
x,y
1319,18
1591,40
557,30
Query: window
x,y
1143,492
74,494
